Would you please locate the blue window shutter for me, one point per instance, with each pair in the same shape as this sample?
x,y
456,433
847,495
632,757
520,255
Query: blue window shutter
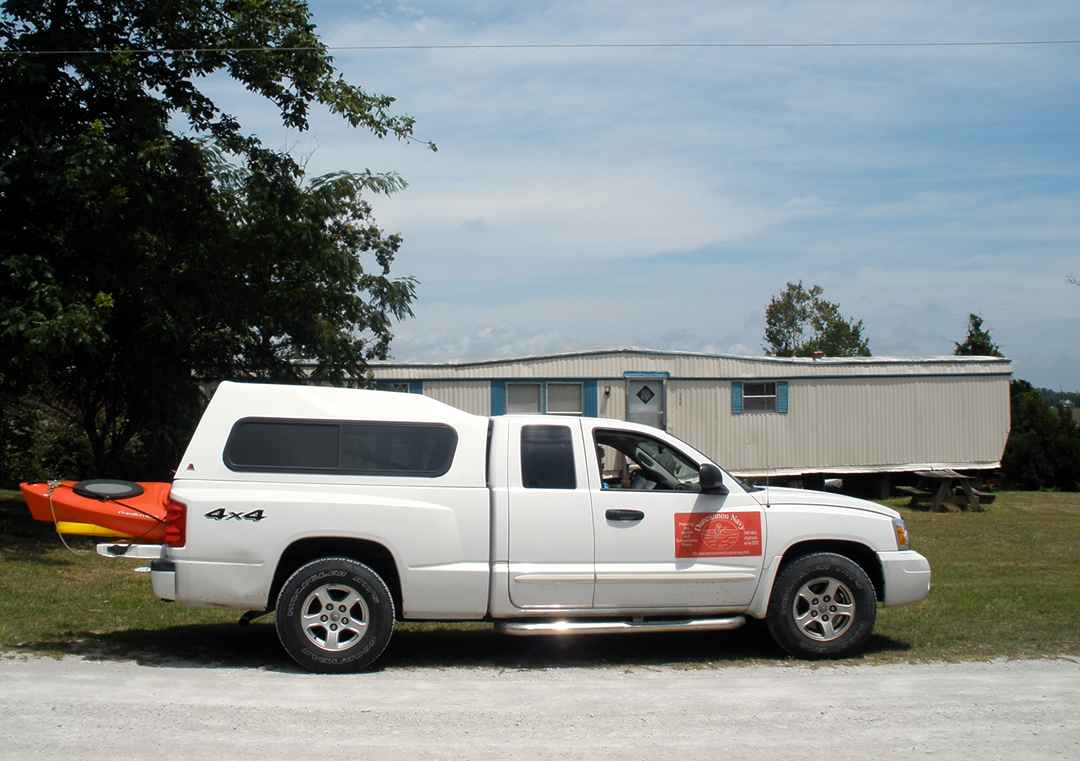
x,y
589,403
736,398
416,387
781,397
498,397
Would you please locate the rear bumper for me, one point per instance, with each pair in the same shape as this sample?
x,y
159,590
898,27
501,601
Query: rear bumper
x,y
207,583
907,576
163,579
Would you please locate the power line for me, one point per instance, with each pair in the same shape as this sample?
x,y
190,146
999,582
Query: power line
x,y
541,45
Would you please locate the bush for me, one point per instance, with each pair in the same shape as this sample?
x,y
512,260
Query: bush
x,y
37,446
1043,450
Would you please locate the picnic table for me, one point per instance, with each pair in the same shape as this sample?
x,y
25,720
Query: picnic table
x,y
946,491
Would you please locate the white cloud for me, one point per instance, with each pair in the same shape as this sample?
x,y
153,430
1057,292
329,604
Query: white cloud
x,y
660,196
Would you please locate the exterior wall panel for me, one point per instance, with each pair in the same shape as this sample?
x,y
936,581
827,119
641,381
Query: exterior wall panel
x,y
833,425
612,405
614,364
470,396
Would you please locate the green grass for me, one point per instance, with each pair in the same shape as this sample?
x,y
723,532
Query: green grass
x,y
48,593
1006,583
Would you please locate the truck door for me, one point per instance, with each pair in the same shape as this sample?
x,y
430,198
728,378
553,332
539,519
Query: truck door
x,y
550,516
660,542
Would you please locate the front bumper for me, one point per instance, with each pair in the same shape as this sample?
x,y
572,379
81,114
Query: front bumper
x,y
907,576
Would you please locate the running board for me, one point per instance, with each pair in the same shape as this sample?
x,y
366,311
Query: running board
x,y
579,626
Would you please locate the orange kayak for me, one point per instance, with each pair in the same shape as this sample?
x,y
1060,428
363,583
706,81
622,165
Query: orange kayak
x,y
140,517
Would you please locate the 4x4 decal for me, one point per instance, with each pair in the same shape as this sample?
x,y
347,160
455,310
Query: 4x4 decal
x,y
221,514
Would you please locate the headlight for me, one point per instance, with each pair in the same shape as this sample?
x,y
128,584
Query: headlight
x,y
903,539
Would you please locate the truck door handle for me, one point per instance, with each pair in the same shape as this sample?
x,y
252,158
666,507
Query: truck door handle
x,y
624,515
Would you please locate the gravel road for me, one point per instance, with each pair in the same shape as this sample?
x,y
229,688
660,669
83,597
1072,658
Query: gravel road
x,y
76,709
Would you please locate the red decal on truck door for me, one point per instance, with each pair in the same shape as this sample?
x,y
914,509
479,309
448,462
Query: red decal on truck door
x,y
699,535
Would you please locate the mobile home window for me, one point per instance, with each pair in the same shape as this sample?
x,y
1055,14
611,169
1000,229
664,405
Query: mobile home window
x,y
547,457
523,398
564,398
402,387
424,450
759,397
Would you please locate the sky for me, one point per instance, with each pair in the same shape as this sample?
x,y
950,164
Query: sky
x,y
658,197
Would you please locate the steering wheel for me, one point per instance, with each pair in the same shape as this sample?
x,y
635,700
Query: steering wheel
x,y
654,476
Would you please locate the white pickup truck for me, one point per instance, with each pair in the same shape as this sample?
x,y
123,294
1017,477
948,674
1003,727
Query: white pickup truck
x,y
346,510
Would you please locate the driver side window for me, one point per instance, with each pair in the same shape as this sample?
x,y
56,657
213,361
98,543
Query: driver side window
x,y
636,462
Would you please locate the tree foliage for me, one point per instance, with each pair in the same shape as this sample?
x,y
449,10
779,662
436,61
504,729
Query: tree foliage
x,y
1043,450
978,342
148,243
800,321
1069,399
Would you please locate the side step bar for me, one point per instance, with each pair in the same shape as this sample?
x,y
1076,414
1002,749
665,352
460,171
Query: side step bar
x,y
579,626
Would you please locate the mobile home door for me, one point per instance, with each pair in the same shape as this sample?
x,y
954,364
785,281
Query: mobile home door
x,y
645,401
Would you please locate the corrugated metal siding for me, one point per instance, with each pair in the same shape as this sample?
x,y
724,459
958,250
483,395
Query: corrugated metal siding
x,y
833,424
470,396
612,405
615,363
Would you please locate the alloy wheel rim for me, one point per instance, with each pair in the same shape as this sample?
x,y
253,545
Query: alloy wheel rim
x,y
334,617
824,609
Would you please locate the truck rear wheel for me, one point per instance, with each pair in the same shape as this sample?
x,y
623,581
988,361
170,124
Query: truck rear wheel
x,y
823,606
335,615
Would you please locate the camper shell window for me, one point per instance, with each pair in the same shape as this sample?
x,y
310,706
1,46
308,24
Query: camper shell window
x,y
353,448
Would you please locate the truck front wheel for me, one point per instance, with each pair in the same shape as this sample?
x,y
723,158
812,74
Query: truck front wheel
x,y
822,606
335,615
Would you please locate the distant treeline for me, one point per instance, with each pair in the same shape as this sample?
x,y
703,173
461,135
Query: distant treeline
x,y
1059,398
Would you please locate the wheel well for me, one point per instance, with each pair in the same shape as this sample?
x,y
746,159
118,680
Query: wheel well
x,y
859,553
371,554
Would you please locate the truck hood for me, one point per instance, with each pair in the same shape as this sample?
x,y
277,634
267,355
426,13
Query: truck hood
x,y
775,495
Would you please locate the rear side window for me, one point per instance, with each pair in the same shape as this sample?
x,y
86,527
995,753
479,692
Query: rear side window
x,y
547,457
348,448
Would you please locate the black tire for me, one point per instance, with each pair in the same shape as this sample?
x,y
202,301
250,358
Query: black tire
x,y
811,639
331,579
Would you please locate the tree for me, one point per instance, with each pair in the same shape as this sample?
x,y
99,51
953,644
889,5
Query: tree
x,y
800,321
140,259
978,342
1043,449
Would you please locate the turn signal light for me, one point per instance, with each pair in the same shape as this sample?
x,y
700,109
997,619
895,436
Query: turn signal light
x,y
175,523
903,540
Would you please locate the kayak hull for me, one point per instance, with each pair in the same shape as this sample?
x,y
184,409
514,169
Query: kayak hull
x,y
141,517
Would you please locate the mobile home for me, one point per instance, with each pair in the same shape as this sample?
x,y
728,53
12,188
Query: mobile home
x,y
753,415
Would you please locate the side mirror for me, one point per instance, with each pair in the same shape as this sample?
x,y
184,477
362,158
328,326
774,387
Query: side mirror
x,y
711,479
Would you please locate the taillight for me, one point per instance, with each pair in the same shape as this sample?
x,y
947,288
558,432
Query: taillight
x,y
175,523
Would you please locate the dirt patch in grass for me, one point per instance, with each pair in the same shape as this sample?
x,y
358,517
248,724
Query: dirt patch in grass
x,y
1006,583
